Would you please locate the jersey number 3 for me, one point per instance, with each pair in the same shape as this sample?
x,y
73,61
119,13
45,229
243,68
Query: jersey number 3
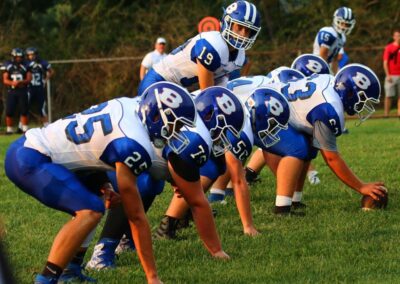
x,y
88,129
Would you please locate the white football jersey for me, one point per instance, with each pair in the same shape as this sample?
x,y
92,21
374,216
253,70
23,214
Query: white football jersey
x,y
96,138
331,39
243,87
210,49
311,99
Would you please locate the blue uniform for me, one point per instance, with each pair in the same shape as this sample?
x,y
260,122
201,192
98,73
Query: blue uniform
x,y
17,96
44,161
37,93
328,37
180,66
313,101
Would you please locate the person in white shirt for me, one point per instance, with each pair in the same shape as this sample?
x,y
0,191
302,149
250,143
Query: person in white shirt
x,y
153,57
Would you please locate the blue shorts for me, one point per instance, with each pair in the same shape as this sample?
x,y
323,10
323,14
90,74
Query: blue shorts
x,y
213,168
294,144
150,78
52,184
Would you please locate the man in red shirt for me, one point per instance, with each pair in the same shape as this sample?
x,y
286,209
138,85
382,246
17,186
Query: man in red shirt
x,y
391,65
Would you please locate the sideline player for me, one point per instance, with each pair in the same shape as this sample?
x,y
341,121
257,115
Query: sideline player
x,y
16,77
329,41
114,135
209,57
41,72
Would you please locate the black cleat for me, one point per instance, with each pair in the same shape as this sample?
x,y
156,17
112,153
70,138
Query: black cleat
x,y
166,229
298,205
286,211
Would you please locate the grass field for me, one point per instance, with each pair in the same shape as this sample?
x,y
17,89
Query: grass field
x,y
335,242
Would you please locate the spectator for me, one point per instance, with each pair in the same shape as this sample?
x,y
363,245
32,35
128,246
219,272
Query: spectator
x,y
153,57
16,78
41,72
391,65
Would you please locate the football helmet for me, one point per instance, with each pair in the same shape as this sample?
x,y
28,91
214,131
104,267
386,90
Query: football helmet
x,y
17,52
32,51
164,108
309,64
343,20
246,15
283,74
358,88
221,111
269,113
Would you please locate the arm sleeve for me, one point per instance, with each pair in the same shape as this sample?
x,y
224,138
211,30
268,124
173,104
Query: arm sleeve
x,y
325,39
323,138
206,54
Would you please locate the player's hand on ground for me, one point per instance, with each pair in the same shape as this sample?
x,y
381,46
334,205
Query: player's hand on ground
x,y
154,281
251,231
373,189
221,255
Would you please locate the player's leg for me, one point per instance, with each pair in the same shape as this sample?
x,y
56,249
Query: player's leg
x,y
298,194
117,224
58,188
217,190
398,95
254,166
23,101
11,105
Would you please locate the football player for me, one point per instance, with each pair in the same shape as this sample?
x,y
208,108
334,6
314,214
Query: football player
x,y
114,135
16,77
219,112
268,113
329,41
41,72
317,105
209,58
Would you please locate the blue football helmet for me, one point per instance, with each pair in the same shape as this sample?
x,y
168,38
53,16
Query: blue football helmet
x,y
221,111
283,74
269,113
246,15
164,108
358,88
32,51
344,20
309,64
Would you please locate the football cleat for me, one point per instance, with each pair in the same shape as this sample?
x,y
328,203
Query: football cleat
x,y
125,244
166,229
298,205
73,273
41,279
103,256
313,178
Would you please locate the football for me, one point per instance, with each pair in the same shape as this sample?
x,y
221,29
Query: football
x,y
368,203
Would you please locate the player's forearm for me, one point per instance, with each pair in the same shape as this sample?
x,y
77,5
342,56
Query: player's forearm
x,y
341,170
205,226
242,198
142,237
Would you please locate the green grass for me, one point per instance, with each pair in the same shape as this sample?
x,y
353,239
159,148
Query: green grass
x,y
335,242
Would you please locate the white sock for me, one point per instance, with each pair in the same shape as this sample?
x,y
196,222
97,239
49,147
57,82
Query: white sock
x,y
283,200
217,191
10,129
297,196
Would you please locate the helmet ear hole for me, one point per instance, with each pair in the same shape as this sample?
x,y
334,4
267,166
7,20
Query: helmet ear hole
x,y
208,115
156,118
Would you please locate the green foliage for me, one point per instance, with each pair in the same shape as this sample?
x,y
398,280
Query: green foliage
x,y
65,29
335,242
